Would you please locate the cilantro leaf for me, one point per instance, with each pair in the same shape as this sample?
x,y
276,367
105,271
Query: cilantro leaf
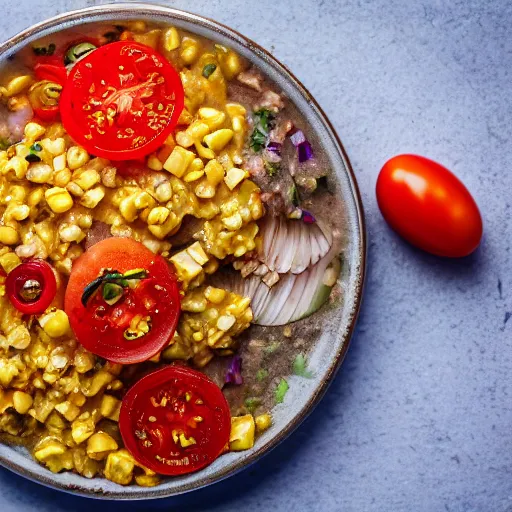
x,y
272,168
281,390
263,120
261,374
300,367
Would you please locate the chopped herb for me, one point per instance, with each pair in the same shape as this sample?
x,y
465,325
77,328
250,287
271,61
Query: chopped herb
x,y
281,390
252,403
44,50
272,168
272,347
300,367
32,158
112,293
208,70
261,374
293,194
78,51
263,120
36,147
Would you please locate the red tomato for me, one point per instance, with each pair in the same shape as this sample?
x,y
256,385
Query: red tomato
x,y
175,421
51,72
31,287
106,329
121,101
428,206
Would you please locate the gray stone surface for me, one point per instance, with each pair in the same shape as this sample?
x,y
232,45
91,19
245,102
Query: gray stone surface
x,y
419,417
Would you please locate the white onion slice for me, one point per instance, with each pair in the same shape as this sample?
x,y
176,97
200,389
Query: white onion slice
x,y
291,245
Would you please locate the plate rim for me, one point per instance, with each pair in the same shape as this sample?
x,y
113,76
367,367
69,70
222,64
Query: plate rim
x,y
152,9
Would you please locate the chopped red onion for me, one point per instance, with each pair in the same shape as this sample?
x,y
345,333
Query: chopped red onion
x,y
234,372
274,147
307,217
305,151
298,138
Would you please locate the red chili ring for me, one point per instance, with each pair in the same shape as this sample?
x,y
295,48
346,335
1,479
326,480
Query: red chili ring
x,y
38,270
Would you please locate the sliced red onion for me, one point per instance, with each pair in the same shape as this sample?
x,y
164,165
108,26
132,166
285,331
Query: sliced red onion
x,y
308,217
298,138
234,372
274,147
305,151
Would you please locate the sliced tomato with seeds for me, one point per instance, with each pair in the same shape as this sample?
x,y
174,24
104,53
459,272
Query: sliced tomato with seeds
x,y
175,421
121,101
122,301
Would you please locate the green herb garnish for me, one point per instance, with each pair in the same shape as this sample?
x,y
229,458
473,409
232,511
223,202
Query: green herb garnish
x,y
112,293
208,70
261,374
263,120
32,157
252,403
281,390
44,50
272,347
294,195
300,367
272,168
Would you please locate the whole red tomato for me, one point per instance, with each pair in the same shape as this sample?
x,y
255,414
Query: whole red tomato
x,y
429,206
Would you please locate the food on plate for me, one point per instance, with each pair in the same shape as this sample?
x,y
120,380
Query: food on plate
x,y
168,225
429,206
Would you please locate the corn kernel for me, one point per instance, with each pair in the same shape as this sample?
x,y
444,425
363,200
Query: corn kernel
x,y
19,337
186,267
22,402
76,157
225,322
8,235
203,152
39,173
204,190
58,199
242,433
235,109
92,197
162,230
233,177
143,200
171,39
214,172
69,410
234,222
62,179
18,212
158,215
87,178
55,147
59,163
215,295
154,163
9,261
110,407
55,323
99,445
193,176
263,422
33,131
50,449
163,192
189,50
18,85
178,161
197,130
212,117
71,233
16,165
127,209
218,140
197,253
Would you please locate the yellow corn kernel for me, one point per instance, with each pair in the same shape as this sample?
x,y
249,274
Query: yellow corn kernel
x,y
197,253
238,123
235,109
214,172
99,445
137,26
218,140
178,161
234,176
39,173
186,267
212,117
22,402
74,189
19,337
33,131
154,163
158,215
127,208
204,190
58,199
17,165
17,212
225,322
163,192
59,163
263,422
233,223
162,230
147,480
203,152
71,233
189,50
150,38
194,304
55,323
184,139
18,85
197,130
87,178
143,200
230,64
82,429
76,157
51,448
8,235
193,176
69,410
9,261
242,433
119,467
62,178
35,197
92,197
171,39
110,407
54,147
215,295
198,336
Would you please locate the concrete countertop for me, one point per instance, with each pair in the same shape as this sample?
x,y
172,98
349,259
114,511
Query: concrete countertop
x,y
419,416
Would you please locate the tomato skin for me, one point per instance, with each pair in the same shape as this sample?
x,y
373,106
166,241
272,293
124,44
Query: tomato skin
x,y
171,383
51,72
429,206
104,335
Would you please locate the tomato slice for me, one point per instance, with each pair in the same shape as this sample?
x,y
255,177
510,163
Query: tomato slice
x,y
121,101
143,318
175,421
51,72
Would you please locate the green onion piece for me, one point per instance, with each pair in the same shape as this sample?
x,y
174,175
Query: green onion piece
x,y
112,293
252,403
77,51
36,147
263,120
300,367
293,194
208,70
138,273
281,390
43,50
32,158
272,168
272,347
91,289
261,374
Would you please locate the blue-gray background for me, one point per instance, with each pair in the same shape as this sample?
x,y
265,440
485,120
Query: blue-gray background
x,y
419,417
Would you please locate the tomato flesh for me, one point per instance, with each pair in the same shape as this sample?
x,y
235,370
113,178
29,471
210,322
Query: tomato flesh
x,y
175,421
34,270
101,327
429,206
121,101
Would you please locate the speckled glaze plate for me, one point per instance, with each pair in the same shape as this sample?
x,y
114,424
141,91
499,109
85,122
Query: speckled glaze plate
x,y
332,346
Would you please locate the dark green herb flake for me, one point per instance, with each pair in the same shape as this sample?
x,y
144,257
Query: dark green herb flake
x,y
208,70
300,367
281,390
263,121
272,168
261,374
252,403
